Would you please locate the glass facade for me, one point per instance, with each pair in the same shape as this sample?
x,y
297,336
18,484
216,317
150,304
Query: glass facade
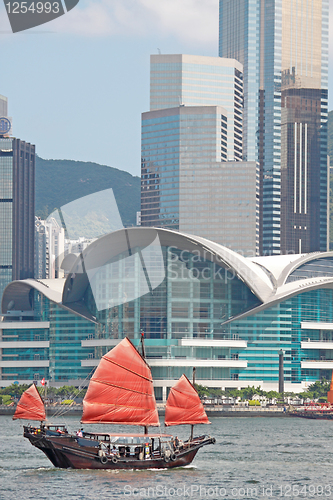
x,y
193,301
170,140
304,126
187,184
317,268
183,80
283,45
29,361
220,202
6,212
239,25
49,345
67,330
204,314
282,327
200,300
17,207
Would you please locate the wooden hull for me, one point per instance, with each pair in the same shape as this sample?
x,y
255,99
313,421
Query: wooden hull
x,y
64,451
312,415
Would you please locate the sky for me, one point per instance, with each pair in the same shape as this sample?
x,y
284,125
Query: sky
x,y
77,85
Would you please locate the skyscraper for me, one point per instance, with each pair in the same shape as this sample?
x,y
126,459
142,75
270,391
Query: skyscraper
x,y
180,79
187,183
283,46
193,178
173,140
17,207
3,105
49,248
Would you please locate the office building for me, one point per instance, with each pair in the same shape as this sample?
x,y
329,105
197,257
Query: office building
x,y
283,46
220,201
17,210
3,106
49,248
225,314
187,183
171,138
180,79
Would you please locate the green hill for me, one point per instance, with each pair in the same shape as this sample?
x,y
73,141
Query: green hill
x,y
59,182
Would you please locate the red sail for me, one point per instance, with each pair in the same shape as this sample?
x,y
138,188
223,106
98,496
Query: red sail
x,y
184,405
121,390
30,406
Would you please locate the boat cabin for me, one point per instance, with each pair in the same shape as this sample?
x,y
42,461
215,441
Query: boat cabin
x,y
128,445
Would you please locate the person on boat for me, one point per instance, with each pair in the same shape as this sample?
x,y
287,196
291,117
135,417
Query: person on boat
x,y
147,451
80,433
114,450
176,443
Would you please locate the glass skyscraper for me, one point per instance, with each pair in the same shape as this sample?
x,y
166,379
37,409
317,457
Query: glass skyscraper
x,y
180,79
172,138
187,183
192,148
17,207
283,46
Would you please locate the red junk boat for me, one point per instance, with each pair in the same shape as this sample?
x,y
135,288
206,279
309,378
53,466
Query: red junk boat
x,y
317,411
120,392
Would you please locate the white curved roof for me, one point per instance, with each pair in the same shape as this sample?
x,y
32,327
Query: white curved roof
x,y
265,276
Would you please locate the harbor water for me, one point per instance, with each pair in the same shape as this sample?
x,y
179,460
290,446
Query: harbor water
x,y
253,458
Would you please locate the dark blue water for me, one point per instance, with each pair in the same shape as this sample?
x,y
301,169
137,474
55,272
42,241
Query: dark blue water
x,y
253,458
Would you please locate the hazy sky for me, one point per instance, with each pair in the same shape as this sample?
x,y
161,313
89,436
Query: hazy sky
x,y
77,86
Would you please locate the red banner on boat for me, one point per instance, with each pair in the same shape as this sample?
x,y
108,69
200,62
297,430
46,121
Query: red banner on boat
x,y
121,390
30,406
184,406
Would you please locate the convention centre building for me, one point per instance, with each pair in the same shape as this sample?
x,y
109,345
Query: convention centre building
x,y
198,303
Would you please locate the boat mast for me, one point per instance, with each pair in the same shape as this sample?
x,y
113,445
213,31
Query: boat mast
x,y
192,426
143,344
144,357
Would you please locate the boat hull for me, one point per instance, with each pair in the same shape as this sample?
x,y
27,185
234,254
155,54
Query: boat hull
x,y
312,415
64,451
